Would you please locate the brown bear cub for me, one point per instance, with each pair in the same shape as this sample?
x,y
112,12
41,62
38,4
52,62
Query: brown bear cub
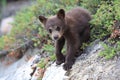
x,y
72,26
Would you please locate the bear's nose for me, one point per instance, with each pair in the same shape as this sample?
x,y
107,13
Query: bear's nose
x,y
55,37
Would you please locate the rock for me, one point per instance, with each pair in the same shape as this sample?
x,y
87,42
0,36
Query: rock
x,y
88,66
95,68
11,8
6,25
54,73
20,69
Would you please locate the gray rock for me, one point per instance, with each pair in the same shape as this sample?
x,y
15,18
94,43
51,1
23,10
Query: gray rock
x,y
19,69
54,72
6,25
89,66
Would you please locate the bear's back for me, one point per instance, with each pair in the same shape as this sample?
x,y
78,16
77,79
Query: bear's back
x,y
78,13
78,17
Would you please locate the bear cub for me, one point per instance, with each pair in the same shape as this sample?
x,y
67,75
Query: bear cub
x,y
73,27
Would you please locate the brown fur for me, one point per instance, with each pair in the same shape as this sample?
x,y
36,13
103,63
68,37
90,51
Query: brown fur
x,y
75,29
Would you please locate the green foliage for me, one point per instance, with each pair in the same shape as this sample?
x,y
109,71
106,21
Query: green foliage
x,y
103,19
110,50
3,3
116,8
49,48
52,57
39,79
2,43
24,22
47,8
103,13
42,63
91,5
42,31
22,28
84,45
102,22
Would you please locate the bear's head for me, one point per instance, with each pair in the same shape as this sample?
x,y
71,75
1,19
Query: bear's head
x,y
55,25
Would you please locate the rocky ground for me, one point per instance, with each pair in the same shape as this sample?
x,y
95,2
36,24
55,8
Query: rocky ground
x,y
12,68
89,66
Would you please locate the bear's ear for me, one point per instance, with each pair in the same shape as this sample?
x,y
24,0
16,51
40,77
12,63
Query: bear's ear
x,y
61,14
42,19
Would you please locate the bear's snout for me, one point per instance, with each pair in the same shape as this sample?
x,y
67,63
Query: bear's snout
x,y
56,37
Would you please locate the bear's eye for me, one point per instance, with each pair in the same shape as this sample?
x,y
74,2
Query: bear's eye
x,y
50,30
58,28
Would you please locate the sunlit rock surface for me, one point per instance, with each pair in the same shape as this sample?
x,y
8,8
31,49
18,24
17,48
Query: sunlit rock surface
x,y
11,69
54,72
89,66
6,25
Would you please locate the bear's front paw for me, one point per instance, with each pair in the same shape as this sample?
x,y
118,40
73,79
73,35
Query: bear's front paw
x,y
67,66
59,62
62,60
